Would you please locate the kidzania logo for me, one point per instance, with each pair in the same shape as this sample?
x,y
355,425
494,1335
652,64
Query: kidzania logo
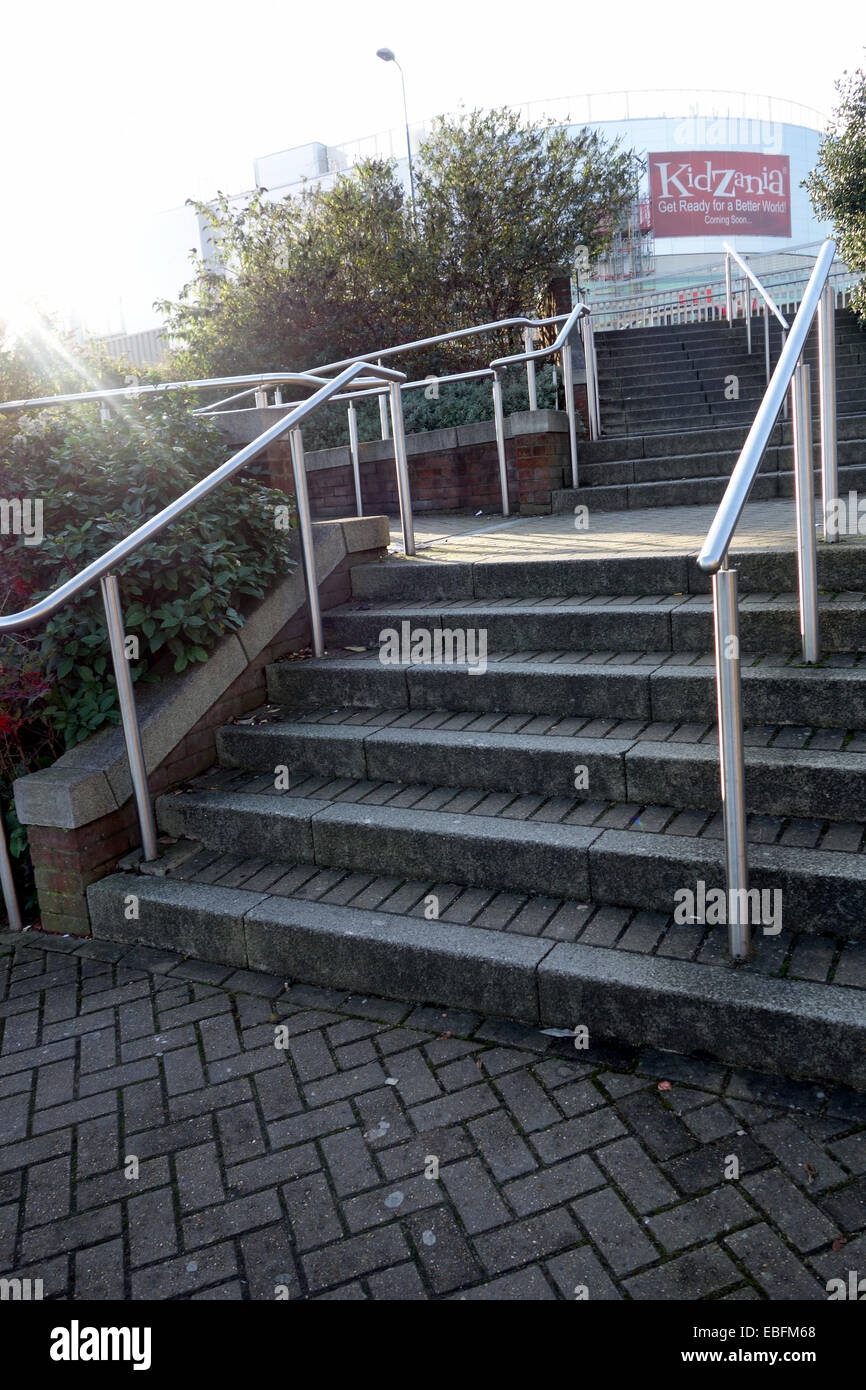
x,y
688,180
719,193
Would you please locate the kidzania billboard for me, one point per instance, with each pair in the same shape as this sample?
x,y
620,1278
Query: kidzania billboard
x,y
720,193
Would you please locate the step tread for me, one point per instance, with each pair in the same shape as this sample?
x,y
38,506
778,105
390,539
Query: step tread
x,y
373,719
815,959
467,810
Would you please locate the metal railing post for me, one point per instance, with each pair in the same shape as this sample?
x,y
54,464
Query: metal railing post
x,y
767,343
592,395
7,882
747,305
568,386
804,492
129,718
785,402
499,424
383,411
529,346
261,400
827,408
731,762
401,462
305,527
355,450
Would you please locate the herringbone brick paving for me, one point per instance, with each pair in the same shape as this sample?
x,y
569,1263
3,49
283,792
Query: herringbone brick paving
x,y
155,1143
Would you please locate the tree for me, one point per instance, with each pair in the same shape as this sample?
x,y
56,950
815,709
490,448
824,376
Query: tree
x,y
299,281
837,185
502,208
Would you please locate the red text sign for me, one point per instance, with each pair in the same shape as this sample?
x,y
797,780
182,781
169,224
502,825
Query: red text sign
x,y
720,193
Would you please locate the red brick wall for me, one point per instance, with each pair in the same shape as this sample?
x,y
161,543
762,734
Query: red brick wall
x,y
67,861
461,479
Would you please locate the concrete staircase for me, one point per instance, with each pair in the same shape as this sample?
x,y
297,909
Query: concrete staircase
x,y
512,837
671,436
692,467
675,378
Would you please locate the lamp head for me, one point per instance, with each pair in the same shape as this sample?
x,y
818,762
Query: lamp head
x,y
386,54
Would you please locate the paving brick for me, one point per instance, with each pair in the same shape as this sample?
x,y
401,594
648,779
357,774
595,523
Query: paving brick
x,y
504,1151
691,1276
528,1240
706,1167
614,1232
348,1161
553,1186
779,1273
704,1218
523,1286
573,1136
401,1284
233,1218
199,1179
151,1225
463,1105
579,1275
269,1261
655,1125
72,1234
100,1272
804,1160
636,1176
350,1259
116,1185
240,1133
799,1220
181,1276
445,1255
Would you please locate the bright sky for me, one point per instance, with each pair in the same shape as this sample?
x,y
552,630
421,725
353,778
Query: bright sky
x,y
112,113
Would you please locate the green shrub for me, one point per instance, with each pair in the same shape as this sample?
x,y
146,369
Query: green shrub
x,y
97,481
458,403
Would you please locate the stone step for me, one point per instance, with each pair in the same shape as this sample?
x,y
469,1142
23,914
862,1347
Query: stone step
x,y
681,623
685,386
628,977
841,567
850,452
694,491
649,764
684,441
362,827
628,685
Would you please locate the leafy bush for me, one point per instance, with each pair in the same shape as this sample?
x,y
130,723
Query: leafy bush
x,y
458,403
97,481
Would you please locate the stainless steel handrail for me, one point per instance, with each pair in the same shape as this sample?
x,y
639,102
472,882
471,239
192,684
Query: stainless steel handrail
x,y
734,255
529,325
745,470
254,381
479,329
102,569
769,304
791,372
562,346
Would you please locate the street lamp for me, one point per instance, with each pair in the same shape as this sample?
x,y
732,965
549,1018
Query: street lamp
x,y
388,56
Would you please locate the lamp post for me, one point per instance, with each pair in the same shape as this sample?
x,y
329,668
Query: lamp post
x,y
388,56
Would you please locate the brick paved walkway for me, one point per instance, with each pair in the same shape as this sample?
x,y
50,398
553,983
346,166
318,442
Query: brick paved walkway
x,y
649,530
302,1171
